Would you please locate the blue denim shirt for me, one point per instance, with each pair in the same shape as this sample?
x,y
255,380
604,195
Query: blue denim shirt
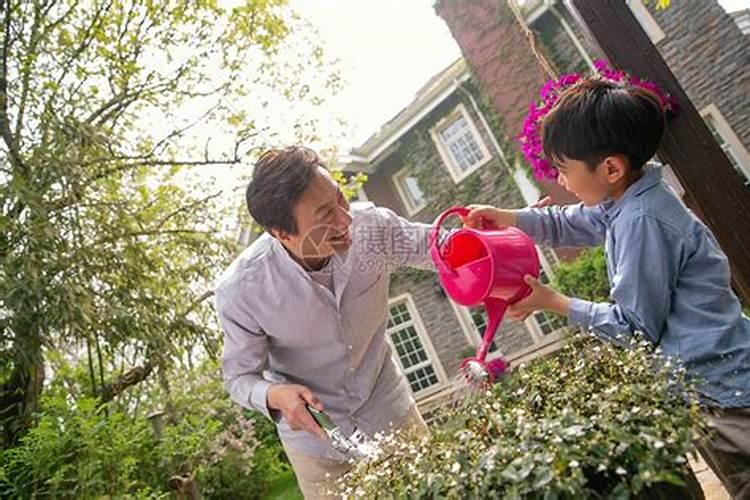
x,y
669,280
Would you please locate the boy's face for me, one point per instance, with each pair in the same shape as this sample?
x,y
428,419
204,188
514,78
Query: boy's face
x,y
591,186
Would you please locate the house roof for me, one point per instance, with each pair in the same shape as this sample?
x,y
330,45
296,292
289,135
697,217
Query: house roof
x,y
435,91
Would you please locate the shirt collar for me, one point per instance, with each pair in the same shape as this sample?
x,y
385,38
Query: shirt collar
x,y
650,178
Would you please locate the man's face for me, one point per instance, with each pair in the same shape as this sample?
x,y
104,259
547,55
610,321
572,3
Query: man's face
x,y
591,187
323,220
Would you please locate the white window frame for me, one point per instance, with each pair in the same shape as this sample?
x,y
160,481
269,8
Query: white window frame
x,y
735,148
456,174
406,200
529,190
432,356
647,21
539,339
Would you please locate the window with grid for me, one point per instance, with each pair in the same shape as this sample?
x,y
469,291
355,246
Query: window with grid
x,y
459,141
414,359
726,147
548,322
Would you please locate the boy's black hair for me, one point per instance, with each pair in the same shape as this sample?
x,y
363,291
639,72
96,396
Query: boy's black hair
x,y
279,179
596,118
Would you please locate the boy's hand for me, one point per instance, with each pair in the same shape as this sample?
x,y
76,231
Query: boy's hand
x,y
542,298
486,216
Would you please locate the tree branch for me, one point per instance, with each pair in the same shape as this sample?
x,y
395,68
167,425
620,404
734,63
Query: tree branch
x,y
138,374
5,131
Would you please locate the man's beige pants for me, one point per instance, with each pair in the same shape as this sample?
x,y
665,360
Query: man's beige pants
x,y
727,449
315,476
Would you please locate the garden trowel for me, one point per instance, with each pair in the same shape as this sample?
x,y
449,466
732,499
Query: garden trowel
x,y
356,447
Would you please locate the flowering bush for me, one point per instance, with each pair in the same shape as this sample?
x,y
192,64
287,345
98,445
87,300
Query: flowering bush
x,y
593,421
530,139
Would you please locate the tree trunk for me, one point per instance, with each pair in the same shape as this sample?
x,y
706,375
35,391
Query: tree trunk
x,y
20,394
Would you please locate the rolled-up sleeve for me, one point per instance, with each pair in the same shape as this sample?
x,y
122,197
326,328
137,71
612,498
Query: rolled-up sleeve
x,y
245,355
569,226
647,263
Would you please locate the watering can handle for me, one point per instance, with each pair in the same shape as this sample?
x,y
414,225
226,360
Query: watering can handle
x,y
435,233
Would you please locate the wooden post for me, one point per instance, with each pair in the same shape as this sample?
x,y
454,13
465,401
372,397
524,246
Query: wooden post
x,y
712,186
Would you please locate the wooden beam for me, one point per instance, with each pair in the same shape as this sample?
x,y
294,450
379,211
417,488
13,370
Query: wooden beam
x,y
710,181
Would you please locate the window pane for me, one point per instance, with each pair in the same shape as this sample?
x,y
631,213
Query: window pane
x,y
461,144
422,378
410,349
408,346
549,322
410,186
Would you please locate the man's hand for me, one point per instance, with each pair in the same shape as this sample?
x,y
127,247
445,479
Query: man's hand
x,y
542,298
291,401
487,216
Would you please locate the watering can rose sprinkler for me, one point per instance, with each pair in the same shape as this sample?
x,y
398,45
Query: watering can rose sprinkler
x,y
484,266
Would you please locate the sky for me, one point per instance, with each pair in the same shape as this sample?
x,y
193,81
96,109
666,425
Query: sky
x,y
388,49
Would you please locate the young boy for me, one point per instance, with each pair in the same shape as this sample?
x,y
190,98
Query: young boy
x,y
670,280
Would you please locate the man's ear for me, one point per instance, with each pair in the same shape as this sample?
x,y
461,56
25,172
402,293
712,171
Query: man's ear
x,y
279,235
615,167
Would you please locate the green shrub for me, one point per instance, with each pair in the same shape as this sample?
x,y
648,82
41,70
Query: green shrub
x,y
585,277
594,421
78,449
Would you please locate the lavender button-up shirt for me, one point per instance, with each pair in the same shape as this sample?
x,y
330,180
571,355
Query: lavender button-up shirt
x,y
283,327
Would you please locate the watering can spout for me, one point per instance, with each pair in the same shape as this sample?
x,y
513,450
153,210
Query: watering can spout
x,y
495,309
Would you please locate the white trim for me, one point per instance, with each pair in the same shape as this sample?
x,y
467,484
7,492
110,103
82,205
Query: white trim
x,y
456,174
432,355
362,158
529,190
540,338
646,20
737,149
573,38
406,200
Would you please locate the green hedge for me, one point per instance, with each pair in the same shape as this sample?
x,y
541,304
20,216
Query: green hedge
x,y
585,277
594,421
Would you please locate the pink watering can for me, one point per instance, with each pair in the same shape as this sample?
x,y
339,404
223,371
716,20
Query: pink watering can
x,y
484,266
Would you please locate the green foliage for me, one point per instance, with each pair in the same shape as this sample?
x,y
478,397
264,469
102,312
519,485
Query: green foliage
x,y
533,435
82,449
659,4
585,277
110,236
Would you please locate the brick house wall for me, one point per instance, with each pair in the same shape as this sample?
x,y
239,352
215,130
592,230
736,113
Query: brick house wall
x,y
449,329
701,43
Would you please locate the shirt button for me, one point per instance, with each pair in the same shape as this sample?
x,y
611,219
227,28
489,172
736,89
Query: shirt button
x,y
351,369
351,347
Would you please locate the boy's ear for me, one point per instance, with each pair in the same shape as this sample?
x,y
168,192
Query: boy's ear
x,y
615,167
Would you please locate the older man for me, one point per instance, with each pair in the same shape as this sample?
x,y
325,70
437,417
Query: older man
x,y
304,310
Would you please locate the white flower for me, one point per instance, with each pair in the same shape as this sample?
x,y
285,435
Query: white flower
x,y
620,471
574,464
